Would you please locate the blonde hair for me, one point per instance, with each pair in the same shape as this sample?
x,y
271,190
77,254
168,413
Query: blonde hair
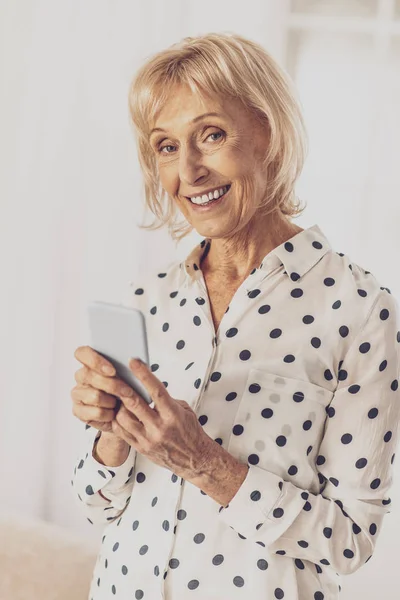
x,y
221,64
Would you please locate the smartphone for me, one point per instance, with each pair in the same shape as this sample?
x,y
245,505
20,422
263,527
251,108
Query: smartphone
x,y
119,333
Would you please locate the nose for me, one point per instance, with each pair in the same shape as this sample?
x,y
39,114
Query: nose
x,y
191,166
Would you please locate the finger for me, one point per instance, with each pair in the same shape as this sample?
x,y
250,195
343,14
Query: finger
x,y
111,385
157,391
130,424
92,359
123,434
138,407
124,417
89,395
84,412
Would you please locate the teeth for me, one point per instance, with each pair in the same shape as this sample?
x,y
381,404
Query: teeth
x,y
211,196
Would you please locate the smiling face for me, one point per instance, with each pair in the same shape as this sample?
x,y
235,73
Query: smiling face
x,y
213,151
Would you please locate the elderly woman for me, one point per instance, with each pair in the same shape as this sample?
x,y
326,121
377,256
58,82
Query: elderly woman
x,y
262,468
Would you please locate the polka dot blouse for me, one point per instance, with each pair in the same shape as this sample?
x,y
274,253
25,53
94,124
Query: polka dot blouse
x,y
300,382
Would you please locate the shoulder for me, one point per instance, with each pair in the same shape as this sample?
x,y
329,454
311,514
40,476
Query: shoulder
x,y
147,287
358,287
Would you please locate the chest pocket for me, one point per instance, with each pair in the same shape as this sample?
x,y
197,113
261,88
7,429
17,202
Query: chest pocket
x,y
279,425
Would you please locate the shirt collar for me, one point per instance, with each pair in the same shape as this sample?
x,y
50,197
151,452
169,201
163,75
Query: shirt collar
x,y
297,255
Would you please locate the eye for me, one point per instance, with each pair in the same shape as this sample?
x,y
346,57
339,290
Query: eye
x,y
161,148
216,133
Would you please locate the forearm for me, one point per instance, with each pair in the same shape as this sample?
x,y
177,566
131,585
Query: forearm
x,y
110,450
221,476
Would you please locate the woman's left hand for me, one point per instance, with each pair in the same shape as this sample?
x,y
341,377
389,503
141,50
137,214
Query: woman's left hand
x,y
169,434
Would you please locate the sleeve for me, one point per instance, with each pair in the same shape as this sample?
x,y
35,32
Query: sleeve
x,y
340,526
91,477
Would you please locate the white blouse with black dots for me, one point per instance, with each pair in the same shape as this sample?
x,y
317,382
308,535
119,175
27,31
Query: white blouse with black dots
x,y
301,383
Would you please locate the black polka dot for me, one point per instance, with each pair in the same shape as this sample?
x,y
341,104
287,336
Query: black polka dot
x,y
315,342
254,388
174,563
262,564
237,429
255,495
264,309
216,376
329,281
238,581
365,347
275,333
253,459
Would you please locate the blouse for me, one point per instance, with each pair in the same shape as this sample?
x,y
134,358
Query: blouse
x,y
300,382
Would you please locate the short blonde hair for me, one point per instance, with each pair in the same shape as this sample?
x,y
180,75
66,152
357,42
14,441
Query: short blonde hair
x,y
221,64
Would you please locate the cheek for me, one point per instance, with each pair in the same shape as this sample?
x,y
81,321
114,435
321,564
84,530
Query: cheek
x,y
168,179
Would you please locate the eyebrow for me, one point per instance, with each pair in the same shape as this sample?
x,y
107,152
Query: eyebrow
x,y
209,114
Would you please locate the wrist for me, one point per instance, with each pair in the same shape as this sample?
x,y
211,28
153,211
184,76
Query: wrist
x,y
110,450
109,436
221,476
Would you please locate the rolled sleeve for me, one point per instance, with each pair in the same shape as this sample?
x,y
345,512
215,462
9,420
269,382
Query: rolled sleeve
x,y
110,480
264,504
91,477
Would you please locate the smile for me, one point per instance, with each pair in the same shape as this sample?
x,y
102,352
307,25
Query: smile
x,y
209,198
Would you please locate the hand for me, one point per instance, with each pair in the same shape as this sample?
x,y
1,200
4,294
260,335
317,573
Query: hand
x,y
169,434
96,397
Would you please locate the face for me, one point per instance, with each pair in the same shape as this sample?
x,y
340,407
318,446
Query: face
x,y
212,152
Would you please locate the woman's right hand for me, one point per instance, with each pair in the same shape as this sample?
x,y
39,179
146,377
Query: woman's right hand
x,y
96,397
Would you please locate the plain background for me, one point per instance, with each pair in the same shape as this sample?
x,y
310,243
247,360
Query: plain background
x,y
71,197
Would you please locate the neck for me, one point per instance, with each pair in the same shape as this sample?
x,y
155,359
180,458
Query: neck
x,y
231,259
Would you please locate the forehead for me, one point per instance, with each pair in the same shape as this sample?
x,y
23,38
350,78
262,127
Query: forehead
x,y
182,104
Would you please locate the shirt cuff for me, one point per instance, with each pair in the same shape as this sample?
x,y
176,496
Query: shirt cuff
x,y
109,480
264,504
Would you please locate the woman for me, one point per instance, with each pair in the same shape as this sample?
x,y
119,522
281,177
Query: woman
x,y
262,468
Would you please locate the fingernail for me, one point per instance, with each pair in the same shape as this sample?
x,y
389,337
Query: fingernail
x,y
136,361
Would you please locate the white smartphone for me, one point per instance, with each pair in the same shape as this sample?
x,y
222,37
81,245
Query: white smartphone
x,y
119,333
